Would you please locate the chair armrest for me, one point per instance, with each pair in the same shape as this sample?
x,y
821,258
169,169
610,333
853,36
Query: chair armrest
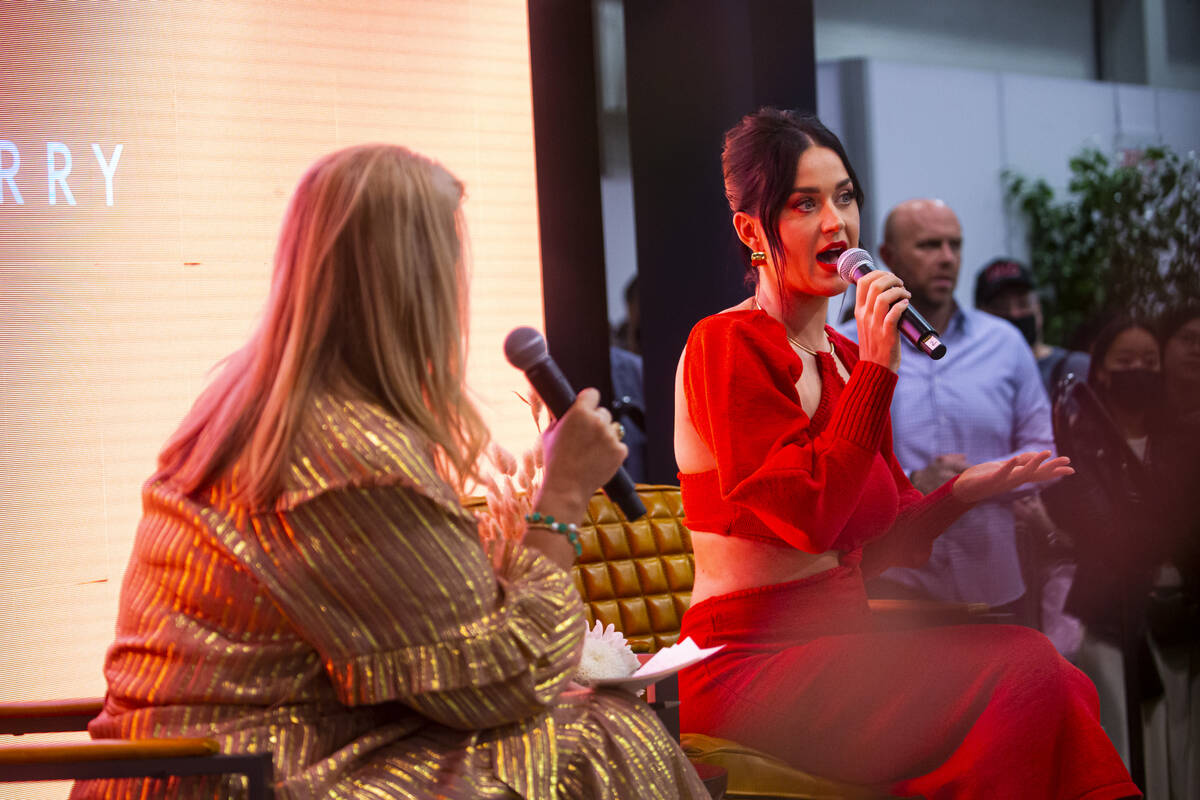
x,y
43,716
894,614
135,758
106,750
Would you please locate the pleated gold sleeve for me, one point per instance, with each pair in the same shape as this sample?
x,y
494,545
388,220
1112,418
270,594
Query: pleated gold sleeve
x,y
401,604
357,631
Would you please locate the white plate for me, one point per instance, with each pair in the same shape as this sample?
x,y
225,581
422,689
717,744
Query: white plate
x,y
665,662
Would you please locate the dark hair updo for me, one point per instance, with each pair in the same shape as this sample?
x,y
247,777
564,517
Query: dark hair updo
x,y
759,163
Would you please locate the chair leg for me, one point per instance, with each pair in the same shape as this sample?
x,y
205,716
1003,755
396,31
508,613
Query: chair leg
x,y
260,779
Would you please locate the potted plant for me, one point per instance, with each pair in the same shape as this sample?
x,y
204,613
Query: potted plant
x,y
1125,238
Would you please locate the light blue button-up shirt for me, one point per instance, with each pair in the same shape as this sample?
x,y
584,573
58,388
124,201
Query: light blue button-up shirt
x,y
984,399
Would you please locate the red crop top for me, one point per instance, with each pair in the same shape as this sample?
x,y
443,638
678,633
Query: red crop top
x,y
829,482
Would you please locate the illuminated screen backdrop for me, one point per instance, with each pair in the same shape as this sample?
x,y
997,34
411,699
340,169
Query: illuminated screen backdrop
x,y
147,151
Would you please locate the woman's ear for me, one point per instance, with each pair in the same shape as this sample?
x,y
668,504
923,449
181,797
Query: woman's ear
x,y
747,229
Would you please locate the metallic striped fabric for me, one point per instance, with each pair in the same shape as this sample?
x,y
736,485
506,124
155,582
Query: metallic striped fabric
x,y
358,631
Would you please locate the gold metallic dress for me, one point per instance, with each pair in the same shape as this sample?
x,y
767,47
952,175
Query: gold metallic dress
x,y
358,631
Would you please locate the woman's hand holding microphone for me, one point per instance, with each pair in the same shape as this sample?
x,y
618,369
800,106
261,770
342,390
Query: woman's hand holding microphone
x,y
879,301
583,450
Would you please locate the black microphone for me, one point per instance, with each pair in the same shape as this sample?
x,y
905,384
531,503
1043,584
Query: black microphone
x,y
856,262
525,349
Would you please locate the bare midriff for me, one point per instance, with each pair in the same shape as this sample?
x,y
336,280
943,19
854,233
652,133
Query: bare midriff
x,y
727,564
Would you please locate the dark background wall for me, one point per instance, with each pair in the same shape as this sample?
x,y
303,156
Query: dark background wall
x,y
567,154
692,71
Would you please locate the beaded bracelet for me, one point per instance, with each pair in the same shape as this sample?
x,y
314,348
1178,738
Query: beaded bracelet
x,y
568,529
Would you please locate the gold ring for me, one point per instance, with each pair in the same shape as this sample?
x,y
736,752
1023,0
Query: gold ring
x,y
620,429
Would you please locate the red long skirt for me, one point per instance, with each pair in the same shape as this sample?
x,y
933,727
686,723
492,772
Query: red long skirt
x,y
970,711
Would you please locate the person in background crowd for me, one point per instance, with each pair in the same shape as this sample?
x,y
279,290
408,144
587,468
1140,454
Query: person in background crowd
x,y
983,401
1005,288
1179,454
629,399
305,581
1180,336
1174,614
793,494
1126,510
628,333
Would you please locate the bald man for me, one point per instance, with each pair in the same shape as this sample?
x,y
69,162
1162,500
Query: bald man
x,y
983,401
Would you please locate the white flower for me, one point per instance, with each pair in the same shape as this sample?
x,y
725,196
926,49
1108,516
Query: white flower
x,y
606,654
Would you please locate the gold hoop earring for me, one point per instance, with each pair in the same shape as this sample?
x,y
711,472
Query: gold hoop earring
x,y
758,258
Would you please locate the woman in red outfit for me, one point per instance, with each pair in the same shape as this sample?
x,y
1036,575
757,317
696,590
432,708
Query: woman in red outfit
x,y
793,495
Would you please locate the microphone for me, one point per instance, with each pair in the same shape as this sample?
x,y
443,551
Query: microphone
x,y
525,349
856,262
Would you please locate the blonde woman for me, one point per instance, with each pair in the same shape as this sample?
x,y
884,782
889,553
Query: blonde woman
x,y
305,581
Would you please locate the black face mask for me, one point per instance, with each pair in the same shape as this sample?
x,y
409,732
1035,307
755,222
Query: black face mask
x,y
1027,325
1135,389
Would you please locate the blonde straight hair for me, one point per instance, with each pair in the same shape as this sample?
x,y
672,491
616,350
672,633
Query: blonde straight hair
x,y
368,300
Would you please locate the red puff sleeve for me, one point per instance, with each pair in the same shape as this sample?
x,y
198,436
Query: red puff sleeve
x,y
740,383
804,481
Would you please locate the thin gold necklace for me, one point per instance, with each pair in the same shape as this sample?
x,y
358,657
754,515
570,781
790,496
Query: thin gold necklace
x,y
810,350
792,339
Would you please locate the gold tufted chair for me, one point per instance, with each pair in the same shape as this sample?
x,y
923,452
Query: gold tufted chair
x,y
638,576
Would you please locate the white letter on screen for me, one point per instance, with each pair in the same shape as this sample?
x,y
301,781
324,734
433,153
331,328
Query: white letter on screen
x,y
7,173
108,168
53,173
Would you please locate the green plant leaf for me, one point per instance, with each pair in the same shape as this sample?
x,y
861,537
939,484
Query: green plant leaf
x,y
1125,236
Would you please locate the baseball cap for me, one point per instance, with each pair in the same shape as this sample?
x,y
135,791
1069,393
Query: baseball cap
x,y
1000,274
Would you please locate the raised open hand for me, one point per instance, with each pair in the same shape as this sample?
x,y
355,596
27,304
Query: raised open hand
x,y
996,477
938,471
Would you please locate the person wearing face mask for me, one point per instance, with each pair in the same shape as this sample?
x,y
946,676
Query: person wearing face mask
x,y
1120,509
1126,374
1006,289
1113,495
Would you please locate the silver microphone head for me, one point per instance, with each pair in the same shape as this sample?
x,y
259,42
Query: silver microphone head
x,y
851,261
524,347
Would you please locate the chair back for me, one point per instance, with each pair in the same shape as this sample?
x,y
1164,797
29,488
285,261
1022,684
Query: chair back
x,y
636,576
